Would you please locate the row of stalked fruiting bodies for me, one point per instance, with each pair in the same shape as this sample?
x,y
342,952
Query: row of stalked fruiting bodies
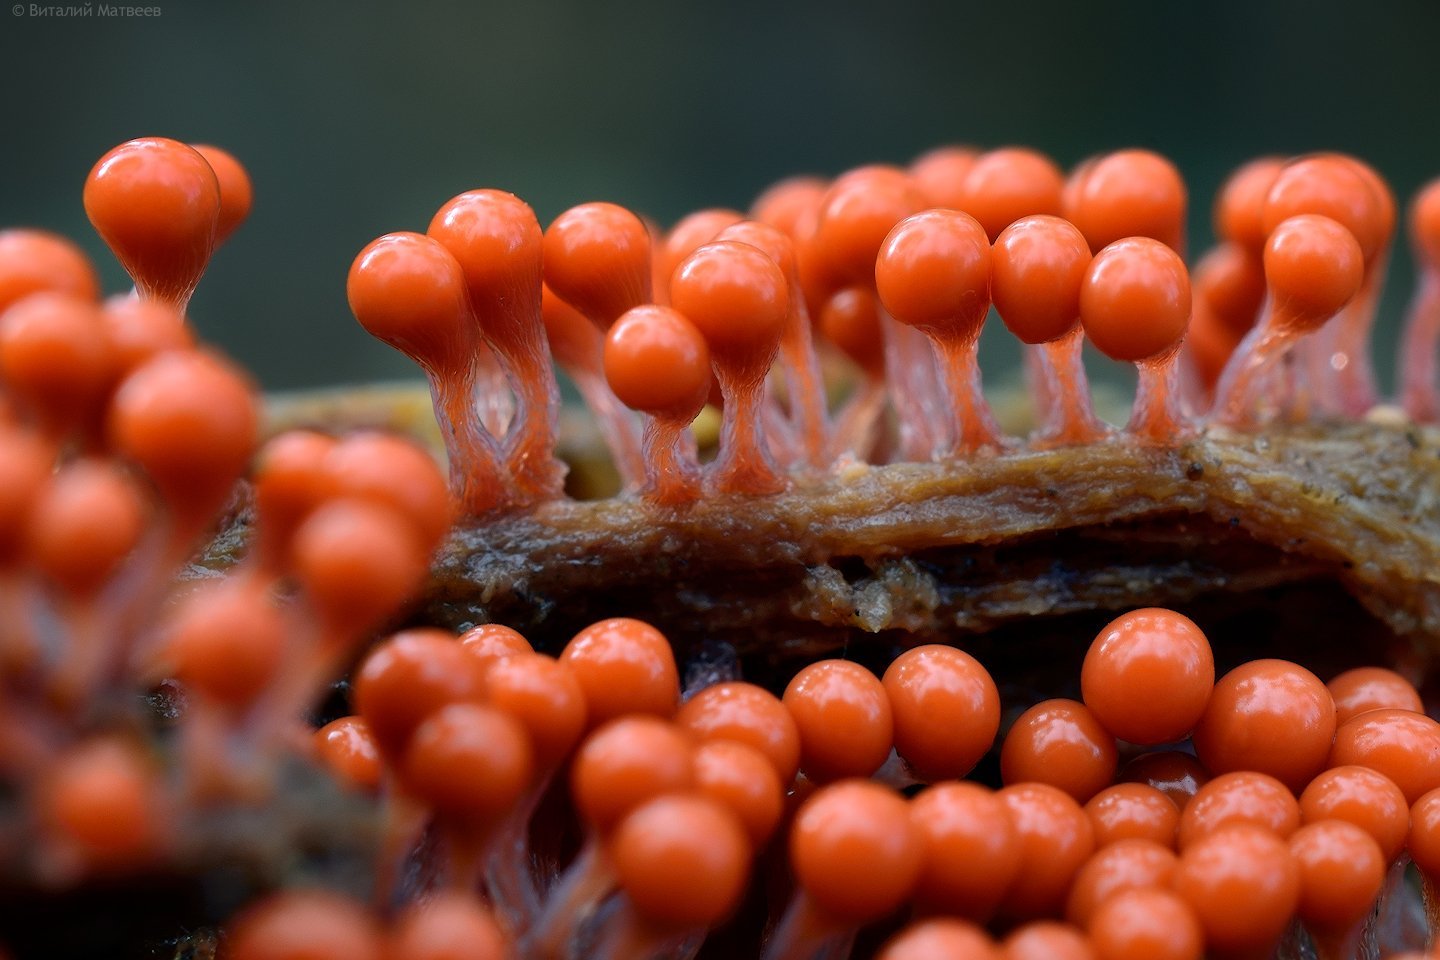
x,y
781,826
897,269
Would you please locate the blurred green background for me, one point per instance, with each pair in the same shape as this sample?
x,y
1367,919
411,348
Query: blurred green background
x,y
357,119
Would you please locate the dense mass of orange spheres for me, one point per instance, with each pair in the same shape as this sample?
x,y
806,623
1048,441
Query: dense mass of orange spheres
x,y
1271,796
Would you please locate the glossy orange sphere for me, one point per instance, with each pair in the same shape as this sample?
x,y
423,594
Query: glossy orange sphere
x,y
658,362
844,718
1243,884
736,296
1061,743
1129,193
469,761
933,272
855,851
946,710
597,259
1363,797
1270,716
1242,797
156,202
1341,873
940,174
748,714
1314,267
1135,302
1004,185
943,937
35,261
1240,205
1055,841
624,666
683,861
627,762
1148,676
1124,865
1372,688
408,291
1036,270
971,850
1133,811
1403,746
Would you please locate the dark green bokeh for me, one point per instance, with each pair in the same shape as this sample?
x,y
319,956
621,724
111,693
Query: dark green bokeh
x,y
356,119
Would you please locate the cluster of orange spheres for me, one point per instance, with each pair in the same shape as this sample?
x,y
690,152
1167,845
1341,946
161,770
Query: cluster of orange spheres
x,y
122,442
549,807
1271,807
891,272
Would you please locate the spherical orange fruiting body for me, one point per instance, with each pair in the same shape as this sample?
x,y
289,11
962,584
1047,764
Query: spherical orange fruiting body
x,y
624,666
1133,811
448,925
1402,745
1364,689
1129,193
682,861
1005,185
407,290
658,362
189,419
1341,873
1242,797
237,194
1055,840
948,938
748,714
1243,884
1270,716
597,259
1135,302
946,710
940,174
1148,676
1036,270
627,762
227,641
156,202
1230,281
1124,865
844,718
1361,796
545,697
1146,924
970,849
84,523
1313,266
859,210
348,749
1330,186
933,272
1060,742
737,297
741,779
409,677
1240,205
314,924
855,851
34,261
55,358
469,761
